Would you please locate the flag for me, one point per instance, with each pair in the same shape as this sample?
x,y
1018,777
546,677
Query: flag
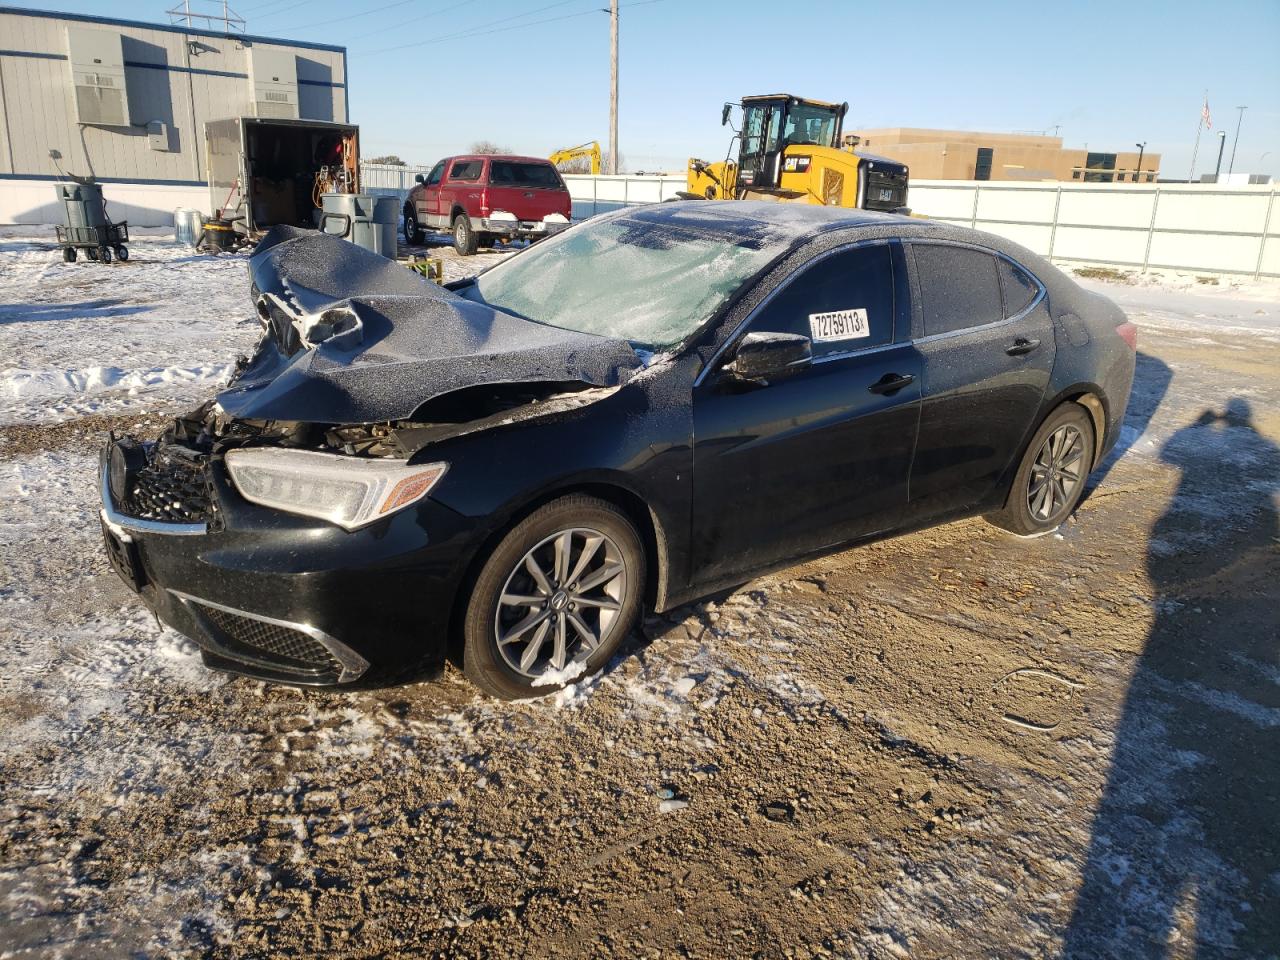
x,y
1204,114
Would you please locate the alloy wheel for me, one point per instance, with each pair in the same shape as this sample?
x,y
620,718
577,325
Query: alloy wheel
x,y
1056,474
560,602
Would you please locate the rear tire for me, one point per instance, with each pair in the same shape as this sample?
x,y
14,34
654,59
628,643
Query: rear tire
x,y
413,234
1051,478
69,254
560,605
464,238
122,253
104,254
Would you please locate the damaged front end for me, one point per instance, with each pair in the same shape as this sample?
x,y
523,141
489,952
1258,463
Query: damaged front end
x,y
235,525
360,358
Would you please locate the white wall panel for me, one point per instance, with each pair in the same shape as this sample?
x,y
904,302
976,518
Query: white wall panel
x,y
1107,246
1023,204
1110,209
1195,251
950,202
1241,212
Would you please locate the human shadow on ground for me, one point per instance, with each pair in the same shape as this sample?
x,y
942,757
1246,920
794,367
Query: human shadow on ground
x,y
1184,842
86,310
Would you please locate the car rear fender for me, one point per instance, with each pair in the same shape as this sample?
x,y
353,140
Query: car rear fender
x,y
1093,398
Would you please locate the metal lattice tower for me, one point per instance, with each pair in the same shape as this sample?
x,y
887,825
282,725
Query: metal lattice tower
x,y
230,21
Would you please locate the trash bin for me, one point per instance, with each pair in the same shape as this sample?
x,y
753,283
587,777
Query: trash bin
x,y
386,216
365,220
188,225
82,204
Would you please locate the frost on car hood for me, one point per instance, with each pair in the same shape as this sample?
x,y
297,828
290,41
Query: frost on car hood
x,y
356,338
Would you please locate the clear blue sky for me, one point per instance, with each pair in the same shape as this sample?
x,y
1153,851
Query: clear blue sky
x,y
1109,73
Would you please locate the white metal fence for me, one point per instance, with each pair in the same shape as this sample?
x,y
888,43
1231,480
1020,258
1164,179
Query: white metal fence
x,y
386,179
1189,227
1192,227
591,195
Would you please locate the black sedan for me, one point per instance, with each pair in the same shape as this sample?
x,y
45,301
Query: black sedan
x,y
651,406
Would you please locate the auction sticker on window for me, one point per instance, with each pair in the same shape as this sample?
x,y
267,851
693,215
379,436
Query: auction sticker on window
x,y
839,325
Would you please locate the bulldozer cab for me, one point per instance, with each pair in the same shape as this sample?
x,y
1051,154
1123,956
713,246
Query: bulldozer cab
x,y
772,123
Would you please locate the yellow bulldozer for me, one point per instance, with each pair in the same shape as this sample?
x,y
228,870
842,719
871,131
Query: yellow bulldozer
x,y
792,150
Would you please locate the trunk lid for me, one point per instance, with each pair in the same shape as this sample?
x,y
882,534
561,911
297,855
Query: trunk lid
x,y
527,189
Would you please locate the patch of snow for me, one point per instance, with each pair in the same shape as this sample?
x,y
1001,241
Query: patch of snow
x,y
567,674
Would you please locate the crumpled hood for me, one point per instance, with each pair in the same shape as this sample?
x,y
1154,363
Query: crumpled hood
x,y
356,338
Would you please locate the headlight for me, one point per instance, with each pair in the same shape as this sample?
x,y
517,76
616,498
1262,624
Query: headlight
x,y
344,490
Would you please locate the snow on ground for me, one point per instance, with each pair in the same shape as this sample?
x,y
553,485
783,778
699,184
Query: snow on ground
x,y
90,337
167,325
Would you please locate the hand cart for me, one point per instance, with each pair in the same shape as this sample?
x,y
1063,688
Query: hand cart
x,y
98,242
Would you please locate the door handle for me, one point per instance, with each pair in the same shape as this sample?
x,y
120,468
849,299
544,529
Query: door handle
x,y
1020,346
891,383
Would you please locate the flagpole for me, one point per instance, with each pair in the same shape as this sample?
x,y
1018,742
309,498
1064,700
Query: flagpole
x,y
1195,151
1204,110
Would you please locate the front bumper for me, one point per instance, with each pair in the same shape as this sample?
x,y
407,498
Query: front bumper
x,y
287,599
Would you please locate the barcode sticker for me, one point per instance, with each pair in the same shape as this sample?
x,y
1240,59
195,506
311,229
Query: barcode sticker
x,y
839,325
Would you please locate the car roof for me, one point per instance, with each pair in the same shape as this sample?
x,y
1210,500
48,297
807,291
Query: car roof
x,y
499,156
794,224
800,219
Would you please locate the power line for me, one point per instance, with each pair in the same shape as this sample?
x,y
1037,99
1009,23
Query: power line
x,y
475,32
436,13
258,8
292,6
355,16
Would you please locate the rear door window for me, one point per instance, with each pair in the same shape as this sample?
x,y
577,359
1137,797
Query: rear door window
x,y
843,302
1020,288
466,170
959,287
513,173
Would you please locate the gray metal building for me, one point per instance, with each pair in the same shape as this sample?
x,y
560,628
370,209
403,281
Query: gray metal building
x,y
128,101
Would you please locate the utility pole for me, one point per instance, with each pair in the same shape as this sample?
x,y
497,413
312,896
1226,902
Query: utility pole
x,y
1236,142
613,90
1141,149
1222,142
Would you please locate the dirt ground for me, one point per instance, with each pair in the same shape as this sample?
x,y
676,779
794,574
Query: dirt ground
x,y
954,743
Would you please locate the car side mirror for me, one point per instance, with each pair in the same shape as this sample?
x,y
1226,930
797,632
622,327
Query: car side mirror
x,y
419,178
770,356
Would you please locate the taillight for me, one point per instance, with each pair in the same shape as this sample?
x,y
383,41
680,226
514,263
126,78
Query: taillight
x,y
1129,334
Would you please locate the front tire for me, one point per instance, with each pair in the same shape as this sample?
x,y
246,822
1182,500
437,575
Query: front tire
x,y
464,238
555,599
1051,478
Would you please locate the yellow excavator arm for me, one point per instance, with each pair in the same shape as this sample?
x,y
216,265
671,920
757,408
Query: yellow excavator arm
x,y
590,149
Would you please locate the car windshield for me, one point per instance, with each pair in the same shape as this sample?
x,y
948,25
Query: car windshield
x,y
651,282
508,173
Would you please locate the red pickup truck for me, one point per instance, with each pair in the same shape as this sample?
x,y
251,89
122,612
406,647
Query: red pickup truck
x,y
481,199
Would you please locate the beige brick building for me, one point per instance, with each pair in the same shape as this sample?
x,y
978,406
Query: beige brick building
x,y
970,155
